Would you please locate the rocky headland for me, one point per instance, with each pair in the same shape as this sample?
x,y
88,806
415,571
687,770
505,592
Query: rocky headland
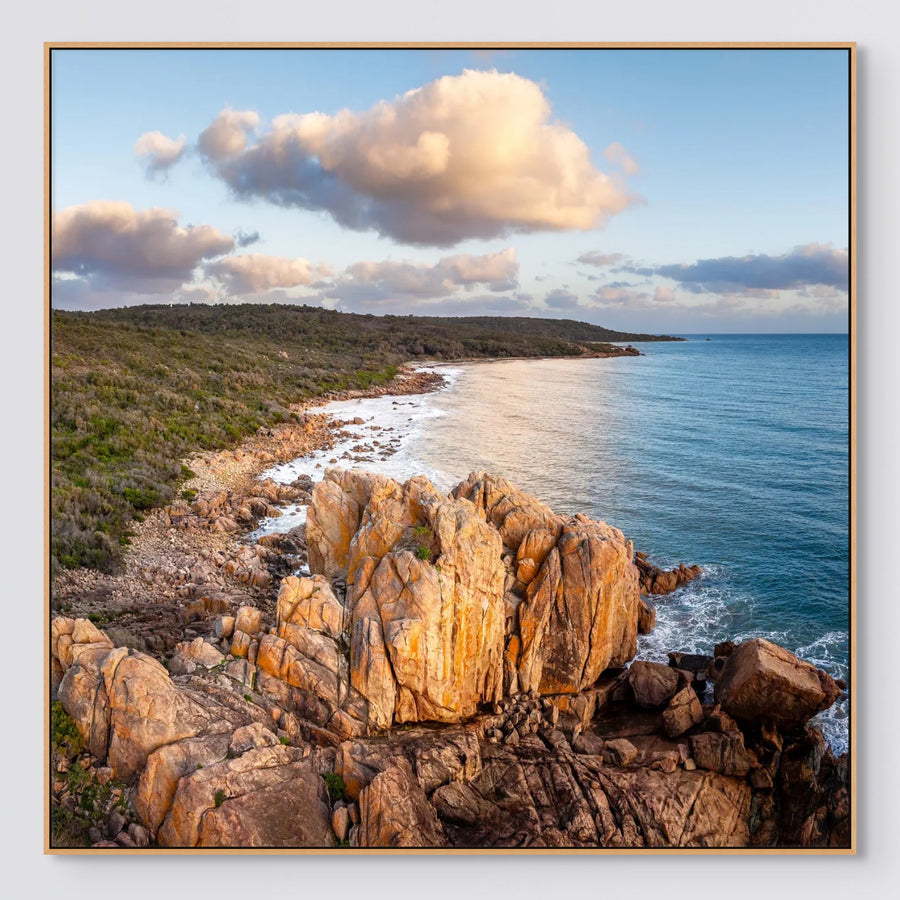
x,y
455,671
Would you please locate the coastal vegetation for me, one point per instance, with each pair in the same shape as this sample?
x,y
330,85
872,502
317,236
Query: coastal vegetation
x,y
136,390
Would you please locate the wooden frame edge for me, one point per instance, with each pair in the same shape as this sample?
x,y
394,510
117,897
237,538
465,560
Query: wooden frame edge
x,y
454,45
853,337
47,489
851,46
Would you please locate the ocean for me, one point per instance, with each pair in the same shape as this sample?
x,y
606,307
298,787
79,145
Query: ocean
x,y
731,453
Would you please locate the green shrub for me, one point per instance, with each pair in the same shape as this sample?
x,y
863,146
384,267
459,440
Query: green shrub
x,y
64,733
335,785
145,498
423,552
219,798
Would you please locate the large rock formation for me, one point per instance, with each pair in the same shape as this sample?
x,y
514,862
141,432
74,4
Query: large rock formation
x,y
161,733
450,676
612,766
454,602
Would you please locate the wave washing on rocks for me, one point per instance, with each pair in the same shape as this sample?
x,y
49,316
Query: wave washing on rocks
x,y
378,433
390,435
453,674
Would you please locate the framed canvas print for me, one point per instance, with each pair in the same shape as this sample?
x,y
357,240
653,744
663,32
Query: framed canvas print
x,y
450,448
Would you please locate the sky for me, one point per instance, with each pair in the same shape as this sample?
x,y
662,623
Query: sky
x,y
679,191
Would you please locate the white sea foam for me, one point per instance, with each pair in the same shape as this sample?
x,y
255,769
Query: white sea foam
x,y
704,612
394,422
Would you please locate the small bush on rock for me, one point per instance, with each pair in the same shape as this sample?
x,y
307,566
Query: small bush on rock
x,y
335,785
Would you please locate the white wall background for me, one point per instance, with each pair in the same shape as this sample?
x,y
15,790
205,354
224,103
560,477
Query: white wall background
x,y
26,873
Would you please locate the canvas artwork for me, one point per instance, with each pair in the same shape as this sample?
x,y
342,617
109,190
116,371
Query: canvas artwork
x,y
450,448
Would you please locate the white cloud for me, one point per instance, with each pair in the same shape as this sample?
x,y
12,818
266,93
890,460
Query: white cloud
x,y
595,258
662,294
475,155
226,136
254,273
378,281
619,296
618,156
159,152
110,245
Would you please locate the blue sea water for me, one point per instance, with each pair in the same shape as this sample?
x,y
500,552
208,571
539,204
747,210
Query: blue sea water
x,y
731,453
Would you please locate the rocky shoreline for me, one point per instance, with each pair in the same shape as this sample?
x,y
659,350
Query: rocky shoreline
x,y
456,671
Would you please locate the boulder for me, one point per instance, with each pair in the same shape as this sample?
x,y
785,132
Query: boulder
x,y
722,753
511,511
717,720
653,683
248,620
762,682
588,743
82,693
200,652
240,644
620,752
580,612
70,638
333,519
426,630
452,601
308,603
340,822
394,812
646,616
268,797
147,711
167,765
223,627
683,712
654,580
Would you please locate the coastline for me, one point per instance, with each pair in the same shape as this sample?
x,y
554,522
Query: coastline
x,y
191,568
159,548
238,469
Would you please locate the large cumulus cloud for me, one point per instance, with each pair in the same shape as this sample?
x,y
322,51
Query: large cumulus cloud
x,y
476,155
109,245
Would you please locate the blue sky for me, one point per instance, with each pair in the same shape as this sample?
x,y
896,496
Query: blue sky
x,y
734,157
